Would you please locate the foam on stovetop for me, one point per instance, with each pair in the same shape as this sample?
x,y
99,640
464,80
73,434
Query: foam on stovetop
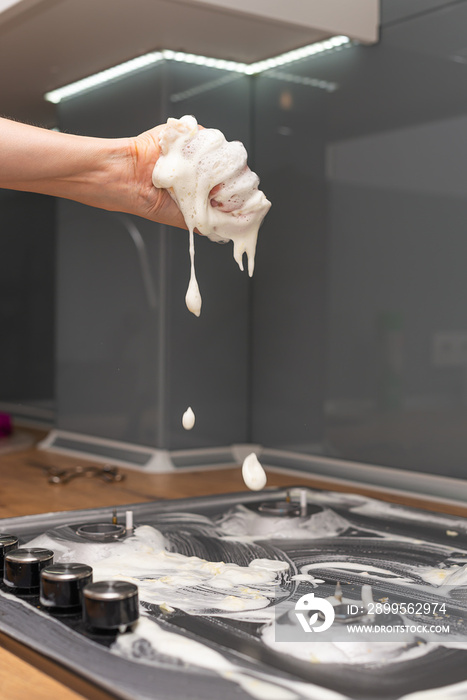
x,y
245,524
245,592
155,640
188,583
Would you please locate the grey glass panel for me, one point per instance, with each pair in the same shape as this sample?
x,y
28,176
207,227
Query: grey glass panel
x,y
399,10
394,133
27,288
290,278
131,358
351,339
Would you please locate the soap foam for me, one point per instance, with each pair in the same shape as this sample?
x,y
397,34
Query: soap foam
x,y
188,419
188,583
210,181
253,473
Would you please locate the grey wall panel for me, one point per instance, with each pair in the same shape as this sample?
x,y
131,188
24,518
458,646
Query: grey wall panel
x,y
207,357
27,289
108,330
365,231
400,10
290,280
128,370
397,246
400,253
125,107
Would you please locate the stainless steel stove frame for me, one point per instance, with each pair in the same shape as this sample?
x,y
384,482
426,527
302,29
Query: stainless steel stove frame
x,y
124,678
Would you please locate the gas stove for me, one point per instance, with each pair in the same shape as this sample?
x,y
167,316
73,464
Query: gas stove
x,y
220,582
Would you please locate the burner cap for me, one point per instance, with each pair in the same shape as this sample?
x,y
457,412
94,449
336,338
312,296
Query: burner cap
x,y
280,508
101,532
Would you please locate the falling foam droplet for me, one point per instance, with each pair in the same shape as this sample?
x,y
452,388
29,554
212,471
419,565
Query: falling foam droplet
x,y
188,419
253,473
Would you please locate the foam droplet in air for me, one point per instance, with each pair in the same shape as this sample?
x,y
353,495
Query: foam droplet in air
x,y
188,419
253,473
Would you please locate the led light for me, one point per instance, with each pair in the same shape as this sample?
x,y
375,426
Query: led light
x,y
104,76
135,64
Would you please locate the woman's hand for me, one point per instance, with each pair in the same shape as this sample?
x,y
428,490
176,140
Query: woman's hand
x,y
112,174
145,199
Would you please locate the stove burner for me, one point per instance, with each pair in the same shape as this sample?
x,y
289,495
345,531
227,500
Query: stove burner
x,y
349,530
288,509
101,532
280,508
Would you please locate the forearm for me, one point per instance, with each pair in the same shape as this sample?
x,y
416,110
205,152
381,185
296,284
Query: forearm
x,y
59,164
112,174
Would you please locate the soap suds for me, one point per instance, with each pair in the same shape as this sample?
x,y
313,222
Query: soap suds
x,y
253,473
209,179
226,590
188,419
188,583
149,636
244,524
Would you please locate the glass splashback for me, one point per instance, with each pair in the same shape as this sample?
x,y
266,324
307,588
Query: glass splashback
x,y
351,339
362,286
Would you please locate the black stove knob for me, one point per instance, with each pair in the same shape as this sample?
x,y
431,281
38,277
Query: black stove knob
x,y
62,585
110,605
23,567
7,544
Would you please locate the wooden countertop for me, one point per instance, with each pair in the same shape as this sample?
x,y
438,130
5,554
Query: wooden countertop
x,y
25,491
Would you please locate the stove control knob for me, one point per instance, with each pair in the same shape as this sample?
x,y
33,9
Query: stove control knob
x,y
7,543
62,585
110,605
23,568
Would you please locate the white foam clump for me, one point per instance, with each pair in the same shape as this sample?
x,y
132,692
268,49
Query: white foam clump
x,y
209,179
188,583
253,473
188,419
358,651
261,686
448,576
372,507
373,572
244,524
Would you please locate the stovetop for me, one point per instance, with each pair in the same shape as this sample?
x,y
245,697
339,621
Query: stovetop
x,y
219,578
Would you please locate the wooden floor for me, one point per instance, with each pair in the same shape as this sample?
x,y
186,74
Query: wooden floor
x,y
25,490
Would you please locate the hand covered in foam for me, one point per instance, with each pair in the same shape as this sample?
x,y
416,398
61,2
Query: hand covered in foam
x,y
210,181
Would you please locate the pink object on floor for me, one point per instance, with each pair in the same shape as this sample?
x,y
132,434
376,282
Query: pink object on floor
x,y
6,427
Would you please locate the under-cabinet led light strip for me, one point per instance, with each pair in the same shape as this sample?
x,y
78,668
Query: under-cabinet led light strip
x,y
135,64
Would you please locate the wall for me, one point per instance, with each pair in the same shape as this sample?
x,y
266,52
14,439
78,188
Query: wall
x,y
27,288
289,299
397,184
360,263
127,367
